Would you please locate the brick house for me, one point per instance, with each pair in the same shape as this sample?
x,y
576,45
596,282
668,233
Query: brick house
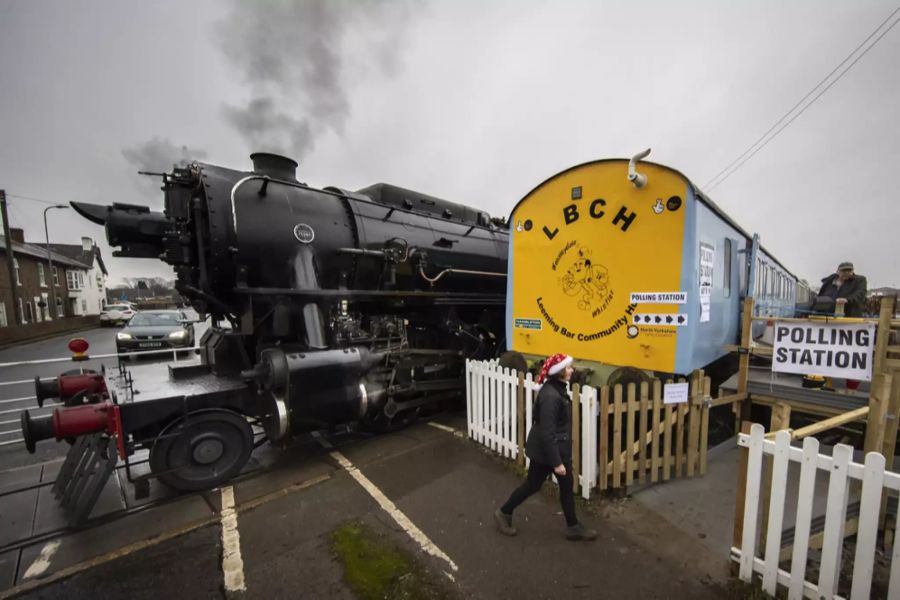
x,y
32,281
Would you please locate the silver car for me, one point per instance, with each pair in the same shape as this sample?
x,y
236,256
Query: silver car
x,y
116,314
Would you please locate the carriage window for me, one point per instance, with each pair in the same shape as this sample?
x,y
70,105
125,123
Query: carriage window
x,y
727,271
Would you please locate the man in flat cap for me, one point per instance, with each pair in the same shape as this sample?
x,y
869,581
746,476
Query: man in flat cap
x,y
844,288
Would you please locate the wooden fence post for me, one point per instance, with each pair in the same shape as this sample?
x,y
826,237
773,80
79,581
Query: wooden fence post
x,y
696,388
603,450
642,450
617,436
520,415
741,491
704,423
630,436
879,396
667,445
657,424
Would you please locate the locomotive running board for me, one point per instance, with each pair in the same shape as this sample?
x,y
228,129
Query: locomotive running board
x,y
88,466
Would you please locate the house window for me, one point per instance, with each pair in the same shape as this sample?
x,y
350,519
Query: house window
x,y
55,276
16,267
59,308
45,310
75,280
42,279
27,314
38,314
99,280
3,322
83,306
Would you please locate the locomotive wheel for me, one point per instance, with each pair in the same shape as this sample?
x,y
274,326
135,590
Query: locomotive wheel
x,y
203,450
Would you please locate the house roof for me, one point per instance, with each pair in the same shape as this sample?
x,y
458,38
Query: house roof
x,y
78,253
40,253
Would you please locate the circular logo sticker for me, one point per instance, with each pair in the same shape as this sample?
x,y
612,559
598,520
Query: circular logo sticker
x,y
304,233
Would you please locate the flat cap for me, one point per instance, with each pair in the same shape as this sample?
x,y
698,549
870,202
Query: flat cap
x,y
845,265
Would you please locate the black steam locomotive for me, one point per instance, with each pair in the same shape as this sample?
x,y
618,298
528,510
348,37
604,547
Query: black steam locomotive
x,y
328,306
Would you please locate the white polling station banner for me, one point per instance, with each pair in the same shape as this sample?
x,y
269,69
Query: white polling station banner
x,y
827,349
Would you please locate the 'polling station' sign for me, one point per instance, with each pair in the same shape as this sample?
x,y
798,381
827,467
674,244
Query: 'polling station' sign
x,y
828,349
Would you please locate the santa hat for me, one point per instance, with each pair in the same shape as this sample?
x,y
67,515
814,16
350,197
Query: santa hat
x,y
554,365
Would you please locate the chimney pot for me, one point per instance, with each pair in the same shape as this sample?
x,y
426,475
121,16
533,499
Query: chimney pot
x,y
274,165
17,234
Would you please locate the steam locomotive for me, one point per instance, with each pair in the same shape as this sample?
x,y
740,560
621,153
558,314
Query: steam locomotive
x,y
327,306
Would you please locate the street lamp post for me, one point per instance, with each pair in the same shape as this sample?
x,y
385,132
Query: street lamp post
x,y
52,309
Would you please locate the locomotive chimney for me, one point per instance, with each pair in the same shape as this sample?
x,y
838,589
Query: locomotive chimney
x,y
274,165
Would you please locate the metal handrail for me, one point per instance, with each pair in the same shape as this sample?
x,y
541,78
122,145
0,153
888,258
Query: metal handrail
x,y
46,361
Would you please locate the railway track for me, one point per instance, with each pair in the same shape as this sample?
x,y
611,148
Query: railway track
x,y
349,435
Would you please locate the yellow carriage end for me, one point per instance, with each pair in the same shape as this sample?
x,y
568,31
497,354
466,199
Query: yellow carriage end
x,y
596,266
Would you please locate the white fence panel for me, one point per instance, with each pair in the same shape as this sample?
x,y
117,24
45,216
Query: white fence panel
x,y
493,415
875,480
491,407
589,414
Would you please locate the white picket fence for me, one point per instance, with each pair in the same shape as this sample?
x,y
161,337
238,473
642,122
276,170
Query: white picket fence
x,y
492,415
841,473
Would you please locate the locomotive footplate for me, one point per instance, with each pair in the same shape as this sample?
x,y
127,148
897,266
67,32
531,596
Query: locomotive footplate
x,y
88,466
159,381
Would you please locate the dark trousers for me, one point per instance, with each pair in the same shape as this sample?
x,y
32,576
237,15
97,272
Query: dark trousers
x,y
537,474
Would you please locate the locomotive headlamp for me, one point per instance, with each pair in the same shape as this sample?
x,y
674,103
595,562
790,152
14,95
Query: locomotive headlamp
x,y
123,336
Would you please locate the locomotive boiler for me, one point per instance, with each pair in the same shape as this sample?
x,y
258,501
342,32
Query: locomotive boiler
x,y
327,306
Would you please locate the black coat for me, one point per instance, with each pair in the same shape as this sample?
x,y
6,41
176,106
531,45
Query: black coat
x,y
854,290
550,439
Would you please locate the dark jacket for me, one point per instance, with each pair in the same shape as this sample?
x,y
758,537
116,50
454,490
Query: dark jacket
x,y
550,439
854,290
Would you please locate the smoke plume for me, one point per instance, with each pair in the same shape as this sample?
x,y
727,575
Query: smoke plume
x,y
293,56
158,155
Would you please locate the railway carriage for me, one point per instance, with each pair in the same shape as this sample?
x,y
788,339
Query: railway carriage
x,y
630,267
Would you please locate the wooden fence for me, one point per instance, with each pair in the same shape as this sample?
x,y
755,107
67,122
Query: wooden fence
x,y
842,475
621,435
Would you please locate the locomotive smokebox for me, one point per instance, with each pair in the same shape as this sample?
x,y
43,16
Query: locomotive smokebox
x,y
274,165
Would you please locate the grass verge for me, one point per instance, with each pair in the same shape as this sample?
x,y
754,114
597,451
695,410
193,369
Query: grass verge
x,y
376,569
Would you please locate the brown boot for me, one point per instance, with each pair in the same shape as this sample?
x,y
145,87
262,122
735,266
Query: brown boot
x,y
504,523
579,533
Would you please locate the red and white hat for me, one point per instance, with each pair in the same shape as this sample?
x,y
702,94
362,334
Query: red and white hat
x,y
554,365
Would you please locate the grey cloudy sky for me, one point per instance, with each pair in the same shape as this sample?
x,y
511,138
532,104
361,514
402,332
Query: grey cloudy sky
x,y
473,102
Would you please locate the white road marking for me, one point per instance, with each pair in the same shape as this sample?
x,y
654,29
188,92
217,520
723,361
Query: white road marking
x,y
389,507
443,427
42,562
232,563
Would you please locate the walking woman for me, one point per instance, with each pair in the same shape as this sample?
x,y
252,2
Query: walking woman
x,y
549,446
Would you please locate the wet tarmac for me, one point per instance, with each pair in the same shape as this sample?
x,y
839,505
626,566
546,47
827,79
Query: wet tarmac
x,y
422,479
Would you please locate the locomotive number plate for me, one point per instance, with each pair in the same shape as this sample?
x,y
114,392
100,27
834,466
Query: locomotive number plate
x,y
304,233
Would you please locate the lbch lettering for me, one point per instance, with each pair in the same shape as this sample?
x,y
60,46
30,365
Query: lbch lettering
x,y
623,219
